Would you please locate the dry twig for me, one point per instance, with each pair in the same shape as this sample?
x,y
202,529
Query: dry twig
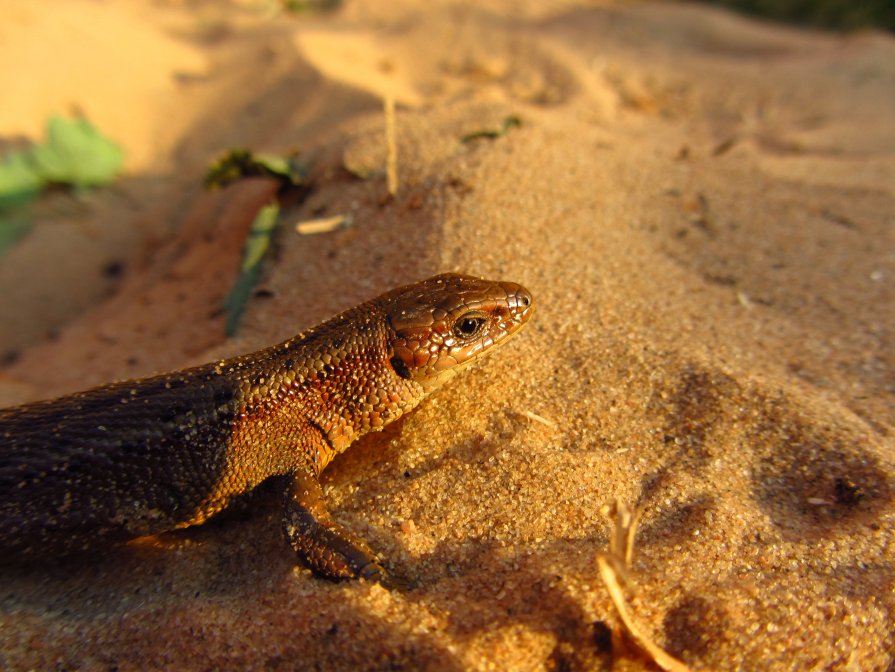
x,y
614,567
391,146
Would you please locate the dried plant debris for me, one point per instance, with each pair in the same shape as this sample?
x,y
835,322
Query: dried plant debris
x,y
323,225
367,163
391,163
238,164
534,417
614,569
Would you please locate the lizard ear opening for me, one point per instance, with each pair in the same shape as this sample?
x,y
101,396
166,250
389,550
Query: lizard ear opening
x,y
400,367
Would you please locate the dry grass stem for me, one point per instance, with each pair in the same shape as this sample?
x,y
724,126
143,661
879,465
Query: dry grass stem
x,y
614,567
391,145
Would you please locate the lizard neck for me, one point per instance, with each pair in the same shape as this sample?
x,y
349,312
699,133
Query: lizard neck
x,y
338,376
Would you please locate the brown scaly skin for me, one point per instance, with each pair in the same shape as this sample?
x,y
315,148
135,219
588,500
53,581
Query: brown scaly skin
x,y
146,456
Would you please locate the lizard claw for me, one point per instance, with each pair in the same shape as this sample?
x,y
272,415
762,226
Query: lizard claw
x,y
376,572
324,545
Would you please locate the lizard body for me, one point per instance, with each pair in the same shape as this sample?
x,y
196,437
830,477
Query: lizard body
x,y
146,456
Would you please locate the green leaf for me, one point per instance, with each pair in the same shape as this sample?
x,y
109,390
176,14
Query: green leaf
x,y
13,225
19,183
281,166
299,6
253,253
508,123
258,239
76,153
237,164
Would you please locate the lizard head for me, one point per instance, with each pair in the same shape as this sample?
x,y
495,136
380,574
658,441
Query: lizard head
x,y
440,326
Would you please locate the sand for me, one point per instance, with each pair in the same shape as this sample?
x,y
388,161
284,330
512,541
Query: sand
x,y
702,206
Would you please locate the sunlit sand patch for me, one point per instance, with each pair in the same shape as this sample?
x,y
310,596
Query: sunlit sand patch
x,y
358,60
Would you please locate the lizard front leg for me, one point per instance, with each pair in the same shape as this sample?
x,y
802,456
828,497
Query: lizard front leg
x,y
324,545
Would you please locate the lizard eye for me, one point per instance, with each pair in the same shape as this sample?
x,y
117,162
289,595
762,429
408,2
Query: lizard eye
x,y
469,326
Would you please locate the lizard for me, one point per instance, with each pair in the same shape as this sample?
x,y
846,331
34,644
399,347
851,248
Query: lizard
x,y
146,456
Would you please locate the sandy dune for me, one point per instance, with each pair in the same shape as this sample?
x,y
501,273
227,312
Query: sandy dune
x,y
703,208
